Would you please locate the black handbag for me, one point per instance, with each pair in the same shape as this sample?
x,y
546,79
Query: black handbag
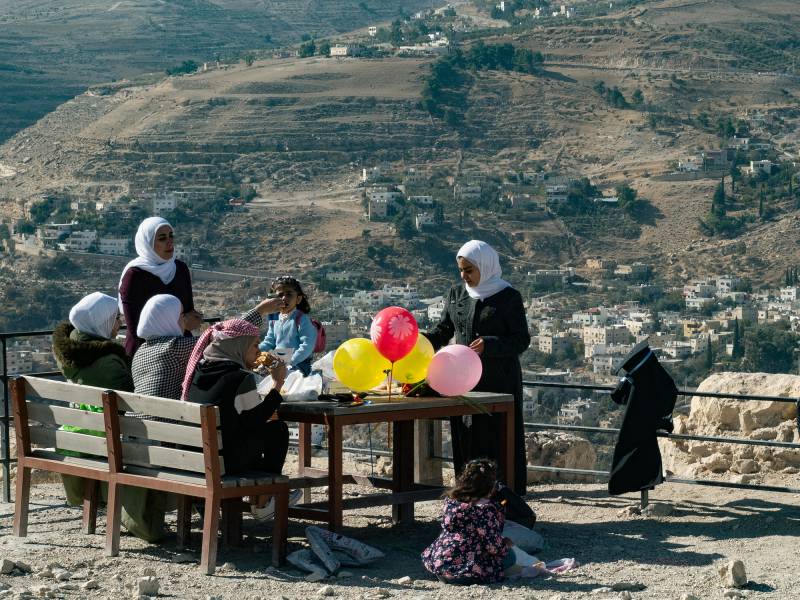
x,y
516,508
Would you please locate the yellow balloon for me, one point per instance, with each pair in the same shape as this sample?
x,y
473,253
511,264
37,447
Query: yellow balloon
x,y
359,365
414,366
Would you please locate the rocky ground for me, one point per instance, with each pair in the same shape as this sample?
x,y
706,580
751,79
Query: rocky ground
x,y
671,551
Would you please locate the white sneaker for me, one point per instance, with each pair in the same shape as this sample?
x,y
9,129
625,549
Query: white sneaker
x,y
267,512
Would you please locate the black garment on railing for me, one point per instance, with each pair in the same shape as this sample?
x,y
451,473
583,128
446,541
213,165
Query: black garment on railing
x,y
648,393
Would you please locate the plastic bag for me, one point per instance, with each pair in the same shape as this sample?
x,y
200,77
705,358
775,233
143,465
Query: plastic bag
x,y
527,539
324,365
296,388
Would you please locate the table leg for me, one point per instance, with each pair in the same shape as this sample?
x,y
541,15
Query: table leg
x,y
334,474
507,444
304,454
403,469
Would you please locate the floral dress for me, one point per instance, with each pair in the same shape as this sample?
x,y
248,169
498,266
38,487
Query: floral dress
x,y
470,547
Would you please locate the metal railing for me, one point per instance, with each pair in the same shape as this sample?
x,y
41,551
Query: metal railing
x,y
6,420
673,436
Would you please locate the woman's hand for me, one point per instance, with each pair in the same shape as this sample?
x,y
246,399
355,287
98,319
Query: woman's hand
x,y
477,346
192,320
278,373
269,306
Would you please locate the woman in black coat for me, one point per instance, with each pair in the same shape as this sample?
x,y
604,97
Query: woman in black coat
x,y
486,314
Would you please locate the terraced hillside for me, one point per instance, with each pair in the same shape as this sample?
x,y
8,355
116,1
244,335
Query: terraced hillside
x,y
299,130
50,50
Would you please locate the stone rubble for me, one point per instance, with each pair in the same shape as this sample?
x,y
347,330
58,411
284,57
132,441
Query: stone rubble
x,y
733,574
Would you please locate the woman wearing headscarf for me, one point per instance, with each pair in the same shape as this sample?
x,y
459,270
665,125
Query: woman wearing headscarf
x,y
159,365
87,354
485,313
154,271
219,373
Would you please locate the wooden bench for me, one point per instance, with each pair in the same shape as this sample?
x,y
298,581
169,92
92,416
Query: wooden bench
x,y
191,466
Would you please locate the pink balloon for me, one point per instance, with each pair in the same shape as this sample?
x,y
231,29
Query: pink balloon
x,y
454,370
394,332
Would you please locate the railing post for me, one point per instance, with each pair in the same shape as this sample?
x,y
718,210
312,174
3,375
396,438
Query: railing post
x,y
645,499
5,435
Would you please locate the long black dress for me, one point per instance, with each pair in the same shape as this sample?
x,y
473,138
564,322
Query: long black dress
x,y
500,321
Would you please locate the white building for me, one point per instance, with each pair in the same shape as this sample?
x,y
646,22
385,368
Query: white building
x,y
424,219
436,310
756,166
52,231
789,294
19,361
79,241
552,344
698,302
605,335
344,50
373,31
421,200
163,203
113,245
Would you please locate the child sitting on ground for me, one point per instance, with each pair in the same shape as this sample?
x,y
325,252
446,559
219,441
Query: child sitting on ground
x,y
292,327
471,547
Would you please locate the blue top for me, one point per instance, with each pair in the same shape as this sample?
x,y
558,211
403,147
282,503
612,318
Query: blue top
x,y
287,334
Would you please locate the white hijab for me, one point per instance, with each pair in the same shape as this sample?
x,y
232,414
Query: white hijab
x,y
159,317
95,315
148,259
483,256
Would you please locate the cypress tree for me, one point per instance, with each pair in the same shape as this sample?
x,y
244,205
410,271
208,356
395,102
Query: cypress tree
x,y
709,355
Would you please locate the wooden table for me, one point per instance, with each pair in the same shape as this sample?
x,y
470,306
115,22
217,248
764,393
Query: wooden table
x,y
401,413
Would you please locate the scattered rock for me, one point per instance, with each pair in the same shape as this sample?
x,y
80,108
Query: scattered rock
x,y
6,593
378,593
148,572
23,566
6,566
326,590
716,463
733,574
316,576
689,597
658,509
40,590
45,573
630,511
733,594
625,595
602,590
404,580
745,467
147,586
92,584
67,586
228,566
344,574
62,575
209,597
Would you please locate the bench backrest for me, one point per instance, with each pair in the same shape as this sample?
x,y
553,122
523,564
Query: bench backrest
x,y
182,426
43,406
130,429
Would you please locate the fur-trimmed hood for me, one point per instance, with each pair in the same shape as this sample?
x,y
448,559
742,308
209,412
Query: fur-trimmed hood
x,y
76,350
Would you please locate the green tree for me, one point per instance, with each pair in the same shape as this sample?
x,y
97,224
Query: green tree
x,y
769,349
249,59
637,97
325,48
308,49
627,197
718,201
738,350
709,363
396,33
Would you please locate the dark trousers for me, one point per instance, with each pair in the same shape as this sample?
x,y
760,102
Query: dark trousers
x,y
482,440
265,450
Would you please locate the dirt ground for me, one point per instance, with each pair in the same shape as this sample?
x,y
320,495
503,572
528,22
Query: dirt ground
x,y
663,557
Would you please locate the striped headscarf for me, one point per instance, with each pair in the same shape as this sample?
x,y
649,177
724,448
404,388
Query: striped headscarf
x,y
218,332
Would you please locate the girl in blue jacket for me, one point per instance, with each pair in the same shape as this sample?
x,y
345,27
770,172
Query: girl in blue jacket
x,y
291,327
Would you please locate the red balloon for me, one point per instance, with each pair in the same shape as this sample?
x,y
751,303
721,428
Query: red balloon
x,y
394,332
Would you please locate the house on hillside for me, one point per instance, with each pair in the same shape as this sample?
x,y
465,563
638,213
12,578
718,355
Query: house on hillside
x,y
79,241
113,245
714,160
344,50
424,219
758,166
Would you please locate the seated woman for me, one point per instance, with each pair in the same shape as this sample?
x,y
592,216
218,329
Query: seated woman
x,y
87,354
219,373
159,365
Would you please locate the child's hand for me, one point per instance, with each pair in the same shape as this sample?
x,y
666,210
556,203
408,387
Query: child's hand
x,y
269,306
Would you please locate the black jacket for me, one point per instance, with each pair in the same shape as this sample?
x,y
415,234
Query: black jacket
x,y
500,321
648,393
220,383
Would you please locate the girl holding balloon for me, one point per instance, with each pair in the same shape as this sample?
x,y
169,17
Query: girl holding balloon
x,y
485,313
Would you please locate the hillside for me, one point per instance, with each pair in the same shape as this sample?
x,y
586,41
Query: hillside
x,y
52,50
300,130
